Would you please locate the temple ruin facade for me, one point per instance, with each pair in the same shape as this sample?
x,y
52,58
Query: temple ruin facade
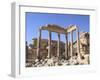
x,y
48,52
59,30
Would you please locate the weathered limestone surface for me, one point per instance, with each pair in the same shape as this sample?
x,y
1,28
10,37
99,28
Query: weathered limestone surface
x,y
84,47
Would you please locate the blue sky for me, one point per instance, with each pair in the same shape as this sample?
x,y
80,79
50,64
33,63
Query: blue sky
x,y
36,20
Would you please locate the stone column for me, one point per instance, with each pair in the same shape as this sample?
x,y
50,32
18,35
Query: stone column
x,y
68,49
49,45
58,46
71,42
66,46
77,35
38,44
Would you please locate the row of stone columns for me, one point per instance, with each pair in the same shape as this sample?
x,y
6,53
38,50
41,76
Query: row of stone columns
x,y
58,45
67,51
71,44
49,45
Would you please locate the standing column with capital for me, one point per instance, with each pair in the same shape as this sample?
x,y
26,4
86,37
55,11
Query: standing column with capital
x,y
38,44
71,38
49,45
58,46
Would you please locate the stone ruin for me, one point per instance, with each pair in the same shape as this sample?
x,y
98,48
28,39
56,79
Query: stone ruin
x,y
70,56
85,47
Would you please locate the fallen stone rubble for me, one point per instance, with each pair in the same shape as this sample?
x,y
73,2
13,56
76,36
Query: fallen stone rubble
x,y
54,61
